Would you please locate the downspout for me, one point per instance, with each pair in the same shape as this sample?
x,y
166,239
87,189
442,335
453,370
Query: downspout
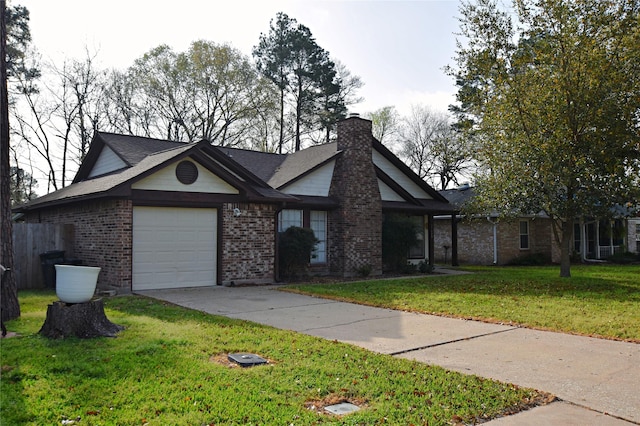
x,y
431,239
495,240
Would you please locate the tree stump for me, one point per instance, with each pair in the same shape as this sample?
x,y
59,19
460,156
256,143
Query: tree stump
x,y
83,320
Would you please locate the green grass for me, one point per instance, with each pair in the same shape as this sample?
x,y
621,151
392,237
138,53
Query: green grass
x,y
164,369
598,300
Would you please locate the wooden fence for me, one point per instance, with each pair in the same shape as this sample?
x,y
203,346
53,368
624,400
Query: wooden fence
x,y
32,239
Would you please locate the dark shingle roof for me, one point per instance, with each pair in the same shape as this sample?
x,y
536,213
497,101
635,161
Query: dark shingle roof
x,y
133,149
301,162
103,184
261,164
458,197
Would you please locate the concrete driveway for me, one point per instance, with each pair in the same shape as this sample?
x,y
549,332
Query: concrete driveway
x,y
597,381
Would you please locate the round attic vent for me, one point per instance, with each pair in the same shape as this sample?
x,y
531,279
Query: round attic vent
x,y
187,172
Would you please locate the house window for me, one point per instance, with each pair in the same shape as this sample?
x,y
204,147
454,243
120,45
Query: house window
x,y
318,224
289,218
604,233
315,220
618,230
417,251
524,235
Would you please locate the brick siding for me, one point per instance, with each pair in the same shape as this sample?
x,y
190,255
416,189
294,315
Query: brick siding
x,y
475,240
248,243
103,236
104,230
355,228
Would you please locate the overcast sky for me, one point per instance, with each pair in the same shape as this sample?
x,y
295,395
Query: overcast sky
x,y
398,48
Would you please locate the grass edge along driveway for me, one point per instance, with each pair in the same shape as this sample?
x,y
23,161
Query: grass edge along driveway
x,y
598,300
168,367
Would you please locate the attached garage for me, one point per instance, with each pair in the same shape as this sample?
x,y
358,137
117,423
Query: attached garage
x,y
174,247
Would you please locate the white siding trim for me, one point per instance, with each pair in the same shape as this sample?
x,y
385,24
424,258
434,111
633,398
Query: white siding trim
x,y
165,180
388,194
316,183
399,177
107,162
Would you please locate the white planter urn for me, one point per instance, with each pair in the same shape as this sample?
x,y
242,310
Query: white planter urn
x,y
76,284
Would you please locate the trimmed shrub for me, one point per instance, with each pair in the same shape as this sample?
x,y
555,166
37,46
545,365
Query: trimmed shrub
x,y
425,268
534,259
624,258
296,246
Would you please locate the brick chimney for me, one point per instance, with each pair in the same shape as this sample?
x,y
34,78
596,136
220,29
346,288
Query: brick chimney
x,y
355,229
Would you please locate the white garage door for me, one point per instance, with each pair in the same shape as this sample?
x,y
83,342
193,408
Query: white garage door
x,y
173,247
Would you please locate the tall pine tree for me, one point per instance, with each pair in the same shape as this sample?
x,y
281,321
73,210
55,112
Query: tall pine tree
x,y
303,72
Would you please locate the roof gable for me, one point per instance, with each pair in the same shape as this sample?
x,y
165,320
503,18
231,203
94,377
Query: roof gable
x,y
107,151
107,162
120,182
316,182
394,172
165,180
301,163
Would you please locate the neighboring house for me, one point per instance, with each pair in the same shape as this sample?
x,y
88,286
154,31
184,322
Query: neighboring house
x,y
160,214
488,239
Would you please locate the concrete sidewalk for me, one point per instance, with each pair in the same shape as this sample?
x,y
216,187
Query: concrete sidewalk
x,y
597,381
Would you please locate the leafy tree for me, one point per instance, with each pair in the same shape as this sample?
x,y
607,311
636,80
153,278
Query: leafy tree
x,y
127,111
273,57
209,92
22,186
553,92
452,157
433,147
337,94
418,134
385,124
18,41
331,107
290,57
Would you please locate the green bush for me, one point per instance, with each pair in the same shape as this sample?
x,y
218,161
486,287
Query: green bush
x,y
624,258
425,268
296,247
399,234
364,271
534,259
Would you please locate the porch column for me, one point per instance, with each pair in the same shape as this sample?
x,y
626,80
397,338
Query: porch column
x,y
454,240
431,227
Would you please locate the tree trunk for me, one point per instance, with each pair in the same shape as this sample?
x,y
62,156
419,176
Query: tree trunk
x,y
281,141
565,248
9,290
83,320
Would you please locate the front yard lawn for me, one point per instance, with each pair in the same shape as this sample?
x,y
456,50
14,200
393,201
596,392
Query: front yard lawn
x,y
598,300
169,367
